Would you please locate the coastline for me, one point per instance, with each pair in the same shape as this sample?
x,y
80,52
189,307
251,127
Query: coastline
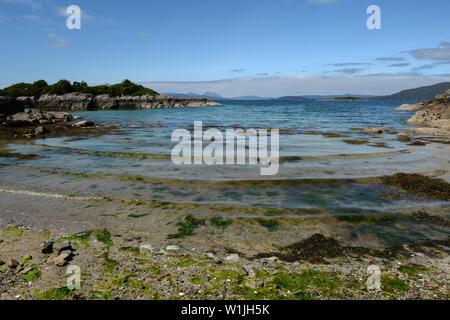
x,y
140,237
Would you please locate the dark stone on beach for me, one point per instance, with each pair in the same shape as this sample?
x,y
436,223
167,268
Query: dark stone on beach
x,y
10,106
60,246
47,247
39,131
62,259
13,264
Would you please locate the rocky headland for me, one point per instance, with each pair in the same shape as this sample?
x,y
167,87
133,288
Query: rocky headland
x,y
433,116
83,101
30,117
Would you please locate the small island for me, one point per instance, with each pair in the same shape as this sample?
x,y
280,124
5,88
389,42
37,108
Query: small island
x,y
344,99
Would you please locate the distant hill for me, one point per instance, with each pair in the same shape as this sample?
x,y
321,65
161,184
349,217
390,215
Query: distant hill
x,y
362,96
212,96
293,98
421,94
208,95
318,97
249,98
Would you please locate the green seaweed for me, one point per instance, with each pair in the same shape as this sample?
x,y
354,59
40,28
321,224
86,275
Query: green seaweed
x,y
187,227
220,222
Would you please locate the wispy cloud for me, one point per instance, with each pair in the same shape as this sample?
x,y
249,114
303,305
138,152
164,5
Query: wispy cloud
x,y
348,64
430,66
262,74
56,41
142,34
391,59
276,86
397,65
85,17
237,70
349,70
441,52
30,3
35,18
323,1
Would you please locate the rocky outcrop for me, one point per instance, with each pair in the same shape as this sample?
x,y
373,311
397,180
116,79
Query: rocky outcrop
x,y
9,106
435,114
81,101
34,116
71,101
410,107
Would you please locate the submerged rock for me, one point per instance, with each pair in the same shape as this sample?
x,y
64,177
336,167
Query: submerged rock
x,y
374,130
83,124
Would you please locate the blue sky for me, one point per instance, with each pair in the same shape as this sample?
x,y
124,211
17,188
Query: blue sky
x,y
233,47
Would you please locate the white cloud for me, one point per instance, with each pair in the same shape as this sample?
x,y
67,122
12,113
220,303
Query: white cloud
x,y
57,42
276,86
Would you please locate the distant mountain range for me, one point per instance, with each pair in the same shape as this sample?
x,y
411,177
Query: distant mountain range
x,y
315,97
420,94
212,96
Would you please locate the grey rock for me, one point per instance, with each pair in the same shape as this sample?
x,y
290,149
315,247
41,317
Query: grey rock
x,y
39,131
232,258
145,247
13,264
60,246
173,248
83,124
47,247
61,260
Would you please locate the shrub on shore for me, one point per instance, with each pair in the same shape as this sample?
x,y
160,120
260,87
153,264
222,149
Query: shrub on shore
x,y
40,87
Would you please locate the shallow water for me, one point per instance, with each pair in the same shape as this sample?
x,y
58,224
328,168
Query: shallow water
x,y
318,175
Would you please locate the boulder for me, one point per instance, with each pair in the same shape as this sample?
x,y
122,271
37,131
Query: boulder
x,y
39,131
60,246
83,124
434,114
410,107
145,248
62,259
232,258
374,130
47,247
173,248
10,106
11,263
